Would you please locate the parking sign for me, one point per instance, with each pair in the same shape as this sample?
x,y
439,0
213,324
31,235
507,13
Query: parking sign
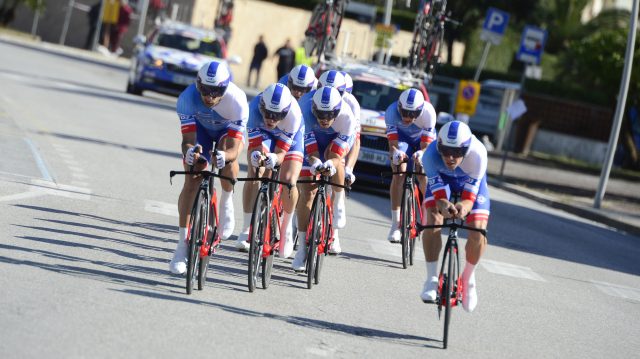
x,y
495,24
531,45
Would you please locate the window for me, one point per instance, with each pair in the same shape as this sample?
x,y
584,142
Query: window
x,y
374,96
207,47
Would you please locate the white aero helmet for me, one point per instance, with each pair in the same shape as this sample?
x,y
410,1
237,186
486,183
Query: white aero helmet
x,y
348,82
301,78
275,102
410,103
326,103
213,79
454,139
332,78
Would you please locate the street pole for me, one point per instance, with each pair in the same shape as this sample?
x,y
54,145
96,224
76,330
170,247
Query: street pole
x,y
388,6
96,36
36,19
143,17
483,59
67,19
622,99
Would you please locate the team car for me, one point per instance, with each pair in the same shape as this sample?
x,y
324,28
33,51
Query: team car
x,y
169,59
375,86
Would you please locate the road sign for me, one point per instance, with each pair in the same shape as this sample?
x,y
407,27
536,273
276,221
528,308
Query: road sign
x,y
384,33
494,26
468,95
531,45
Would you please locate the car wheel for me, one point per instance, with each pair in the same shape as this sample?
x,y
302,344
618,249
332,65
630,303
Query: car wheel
x,y
133,89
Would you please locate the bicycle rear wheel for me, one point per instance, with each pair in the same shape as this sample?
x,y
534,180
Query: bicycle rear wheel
x,y
405,222
447,294
256,237
267,263
326,232
417,217
196,225
315,224
203,267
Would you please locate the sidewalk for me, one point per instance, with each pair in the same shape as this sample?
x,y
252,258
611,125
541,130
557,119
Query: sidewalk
x,y
569,189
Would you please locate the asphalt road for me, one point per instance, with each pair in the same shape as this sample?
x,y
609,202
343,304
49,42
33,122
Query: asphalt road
x,y
88,218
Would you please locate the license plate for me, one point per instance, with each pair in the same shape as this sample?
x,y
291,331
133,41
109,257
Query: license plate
x,y
183,80
373,157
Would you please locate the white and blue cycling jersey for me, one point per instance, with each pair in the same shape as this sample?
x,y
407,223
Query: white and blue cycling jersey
x,y
287,135
339,137
226,119
469,179
422,129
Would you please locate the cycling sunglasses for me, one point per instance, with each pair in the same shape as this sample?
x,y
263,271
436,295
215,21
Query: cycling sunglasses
x,y
303,89
410,113
325,115
452,151
274,116
211,91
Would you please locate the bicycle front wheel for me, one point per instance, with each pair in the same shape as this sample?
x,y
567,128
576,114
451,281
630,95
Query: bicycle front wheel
x,y
196,232
315,229
447,294
326,233
256,236
405,222
417,218
203,265
267,263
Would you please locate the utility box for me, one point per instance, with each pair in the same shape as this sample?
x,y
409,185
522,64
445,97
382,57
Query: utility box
x,y
491,116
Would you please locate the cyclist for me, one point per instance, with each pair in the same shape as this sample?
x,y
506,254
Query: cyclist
x,y
329,133
351,100
411,123
211,109
300,80
276,137
337,80
458,163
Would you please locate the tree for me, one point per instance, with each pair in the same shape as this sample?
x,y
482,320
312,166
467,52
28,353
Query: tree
x,y
8,9
596,62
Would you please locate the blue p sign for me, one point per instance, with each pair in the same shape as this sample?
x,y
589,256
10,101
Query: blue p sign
x,y
495,24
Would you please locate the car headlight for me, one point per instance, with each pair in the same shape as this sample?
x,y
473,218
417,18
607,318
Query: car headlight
x,y
150,61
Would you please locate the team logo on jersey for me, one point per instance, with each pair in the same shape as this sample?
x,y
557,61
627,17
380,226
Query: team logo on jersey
x,y
253,130
472,181
307,136
392,128
435,180
481,199
343,138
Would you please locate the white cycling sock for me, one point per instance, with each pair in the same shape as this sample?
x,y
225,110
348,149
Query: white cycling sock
x,y
338,196
182,233
467,273
395,216
247,221
302,236
286,221
225,197
432,269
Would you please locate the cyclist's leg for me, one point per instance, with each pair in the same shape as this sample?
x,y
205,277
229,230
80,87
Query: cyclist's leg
x,y
476,244
233,146
306,192
258,141
178,264
289,172
395,193
431,246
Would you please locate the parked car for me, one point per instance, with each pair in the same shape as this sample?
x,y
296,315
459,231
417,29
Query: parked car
x,y
169,59
375,86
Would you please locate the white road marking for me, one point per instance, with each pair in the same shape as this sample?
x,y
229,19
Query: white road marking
x,y
66,155
39,161
168,209
79,175
76,169
79,183
615,290
40,188
71,162
511,270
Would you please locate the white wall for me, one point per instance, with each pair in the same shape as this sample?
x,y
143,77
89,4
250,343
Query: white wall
x,y
558,144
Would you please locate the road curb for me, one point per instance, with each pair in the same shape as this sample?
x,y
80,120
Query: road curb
x,y
591,214
66,51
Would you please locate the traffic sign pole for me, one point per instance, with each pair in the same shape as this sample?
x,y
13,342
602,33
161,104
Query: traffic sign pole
x,y
485,54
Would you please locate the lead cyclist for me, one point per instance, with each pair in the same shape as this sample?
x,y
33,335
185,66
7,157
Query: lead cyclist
x,y
213,109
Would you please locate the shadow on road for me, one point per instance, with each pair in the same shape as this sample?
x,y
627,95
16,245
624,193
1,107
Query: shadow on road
x,y
371,333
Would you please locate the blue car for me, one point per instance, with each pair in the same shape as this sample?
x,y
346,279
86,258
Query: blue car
x,y
169,59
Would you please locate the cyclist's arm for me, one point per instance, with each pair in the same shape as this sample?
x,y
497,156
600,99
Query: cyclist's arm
x,y
188,141
352,157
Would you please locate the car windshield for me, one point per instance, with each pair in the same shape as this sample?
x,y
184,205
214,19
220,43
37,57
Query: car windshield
x,y
184,43
374,96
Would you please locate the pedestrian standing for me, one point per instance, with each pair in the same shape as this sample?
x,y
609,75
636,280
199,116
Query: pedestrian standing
x,y
93,15
109,21
260,52
286,57
121,27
